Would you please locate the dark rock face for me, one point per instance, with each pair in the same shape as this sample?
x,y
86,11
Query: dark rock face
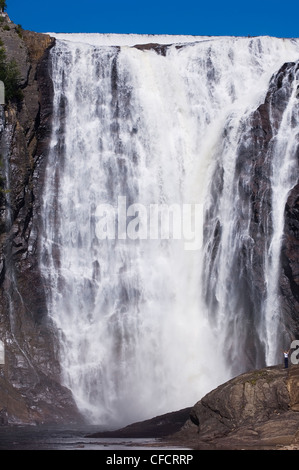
x,y
265,124
258,409
252,182
30,390
256,151
158,427
289,280
160,49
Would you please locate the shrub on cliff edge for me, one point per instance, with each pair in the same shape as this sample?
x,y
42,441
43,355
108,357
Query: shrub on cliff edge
x,y
10,76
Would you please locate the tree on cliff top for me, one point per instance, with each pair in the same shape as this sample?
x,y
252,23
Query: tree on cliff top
x,y
3,5
10,76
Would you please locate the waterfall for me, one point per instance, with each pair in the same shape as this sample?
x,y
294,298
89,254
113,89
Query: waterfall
x,y
284,177
148,319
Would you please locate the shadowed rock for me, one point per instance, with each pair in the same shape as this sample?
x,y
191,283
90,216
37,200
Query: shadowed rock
x,y
160,426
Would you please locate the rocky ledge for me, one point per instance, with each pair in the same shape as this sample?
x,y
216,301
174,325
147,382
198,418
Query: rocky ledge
x,y
255,410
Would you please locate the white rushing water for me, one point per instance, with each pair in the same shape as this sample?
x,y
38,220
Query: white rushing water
x,y
284,176
113,39
137,335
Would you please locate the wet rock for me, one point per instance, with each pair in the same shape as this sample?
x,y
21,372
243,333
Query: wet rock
x,y
254,410
157,427
160,49
253,173
289,280
30,389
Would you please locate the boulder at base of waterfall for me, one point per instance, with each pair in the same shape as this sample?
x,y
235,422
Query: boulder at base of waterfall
x,y
256,410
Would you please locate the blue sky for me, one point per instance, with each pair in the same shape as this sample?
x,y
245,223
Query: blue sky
x,y
209,17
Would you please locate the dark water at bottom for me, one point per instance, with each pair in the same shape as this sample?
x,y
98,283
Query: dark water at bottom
x,y
68,438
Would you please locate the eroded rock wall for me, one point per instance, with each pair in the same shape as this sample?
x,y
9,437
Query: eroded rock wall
x,y
30,389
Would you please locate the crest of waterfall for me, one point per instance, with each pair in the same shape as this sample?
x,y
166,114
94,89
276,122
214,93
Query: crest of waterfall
x,y
145,325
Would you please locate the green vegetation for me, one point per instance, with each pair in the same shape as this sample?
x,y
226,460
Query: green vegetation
x,y
19,30
11,79
10,76
3,5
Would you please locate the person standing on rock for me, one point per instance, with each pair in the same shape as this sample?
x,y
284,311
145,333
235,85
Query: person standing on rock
x,y
286,358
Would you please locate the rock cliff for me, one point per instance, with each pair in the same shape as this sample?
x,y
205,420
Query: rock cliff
x,y
256,410
264,125
30,391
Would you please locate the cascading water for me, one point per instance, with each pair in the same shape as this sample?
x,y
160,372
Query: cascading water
x,y
284,176
245,225
147,321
